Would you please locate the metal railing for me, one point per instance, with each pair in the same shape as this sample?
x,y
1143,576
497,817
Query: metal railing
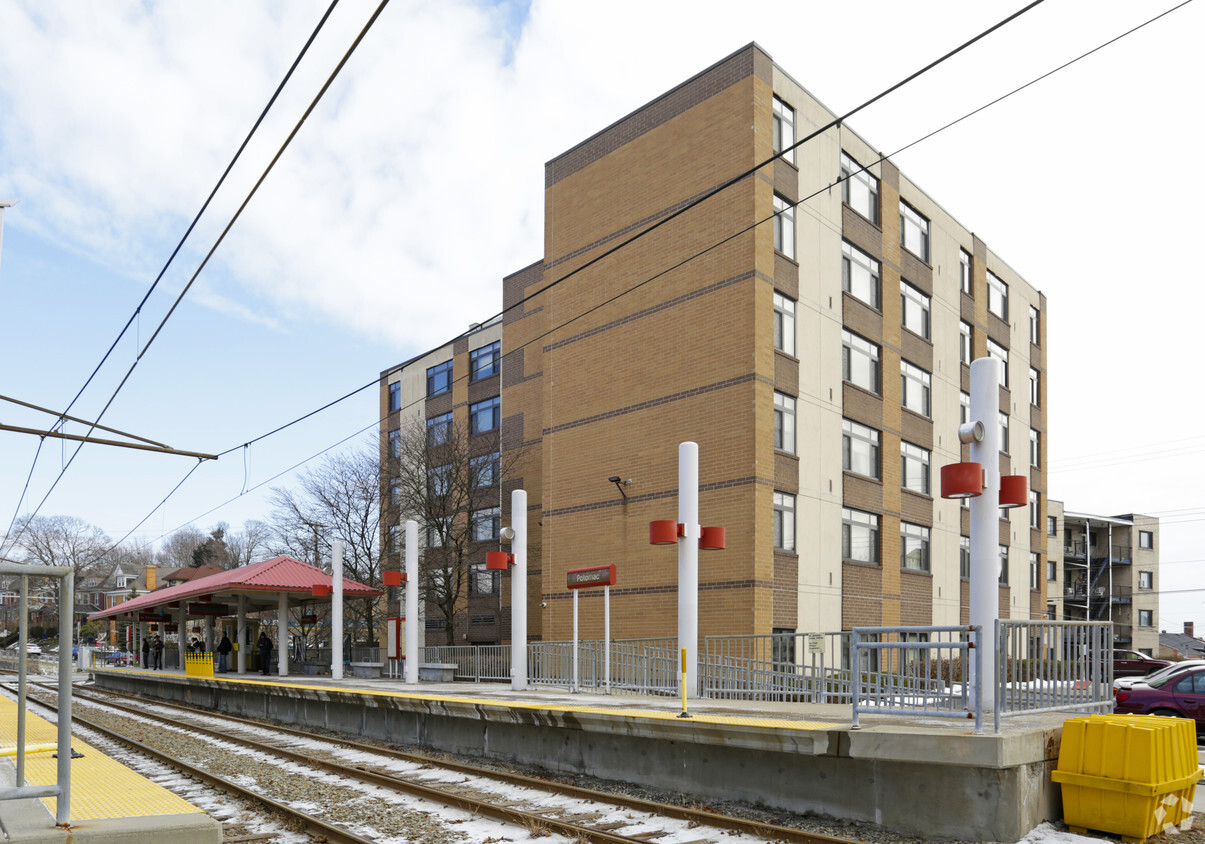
x,y
479,663
914,670
1049,666
637,666
62,788
788,667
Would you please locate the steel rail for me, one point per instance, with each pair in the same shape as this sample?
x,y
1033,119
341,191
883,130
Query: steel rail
x,y
310,824
698,816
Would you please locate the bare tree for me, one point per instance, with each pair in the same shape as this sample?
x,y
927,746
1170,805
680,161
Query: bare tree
x,y
250,545
64,541
338,500
448,480
177,550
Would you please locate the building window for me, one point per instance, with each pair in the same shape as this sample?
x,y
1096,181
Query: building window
x,y
395,396
439,480
1034,326
1052,525
784,422
439,378
784,521
1146,580
395,491
1034,385
1004,564
784,129
434,536
1000,353
914,547
997,296
860,275
964,408
915,383
966,346
1146,539
483,582
1003,432
1035,511
485,469
484,362
964,557
964,272
1035,569
439,429
395,444
859,189
914,232
859,361
395,539
859,536
784,323
784,227
859,449
914,306
486,524
1035,448
915,466
1052,572
485,415
1146,618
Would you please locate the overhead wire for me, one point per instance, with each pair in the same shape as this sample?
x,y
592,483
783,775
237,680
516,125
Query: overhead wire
x,y
238,213
376,381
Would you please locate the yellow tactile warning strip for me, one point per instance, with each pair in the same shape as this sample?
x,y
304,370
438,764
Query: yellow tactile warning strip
x,y
543,706
101,788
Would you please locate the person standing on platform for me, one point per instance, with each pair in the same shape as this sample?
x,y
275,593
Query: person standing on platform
x,y
146,652
223,649
264,644
157,653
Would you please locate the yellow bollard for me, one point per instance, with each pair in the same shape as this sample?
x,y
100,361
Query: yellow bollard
x,y
684,714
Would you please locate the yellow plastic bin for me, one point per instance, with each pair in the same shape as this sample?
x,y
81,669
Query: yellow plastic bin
x,y
1129,775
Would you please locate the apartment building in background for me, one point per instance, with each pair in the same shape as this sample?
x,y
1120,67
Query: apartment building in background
x,y
809,325
1106,568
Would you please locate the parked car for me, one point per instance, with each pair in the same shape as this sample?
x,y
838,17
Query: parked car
x,y
1173,669
1136,664
1180,695
31,648
117,658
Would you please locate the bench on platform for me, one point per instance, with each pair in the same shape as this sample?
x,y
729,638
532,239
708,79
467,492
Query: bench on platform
x,y
367,670
437,672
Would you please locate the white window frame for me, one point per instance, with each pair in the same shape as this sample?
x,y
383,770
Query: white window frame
x,y
1035,570
784,129
997,296
1146,580
1035,510
863,526
860,449
917,397
1146,540
1035,322
914,231
965,279
1035,448
914,310
964,557
964,410
914,468
784,323
1035,387
784,226
1000,353
859,189
784,522
1004,426
851,345
861,275
1003,572
1146,618
784,422
966,342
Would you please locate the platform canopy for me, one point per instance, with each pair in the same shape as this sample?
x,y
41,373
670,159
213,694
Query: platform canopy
x,y
260,584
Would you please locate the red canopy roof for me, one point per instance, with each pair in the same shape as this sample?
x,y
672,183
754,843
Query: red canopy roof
x,y
279,574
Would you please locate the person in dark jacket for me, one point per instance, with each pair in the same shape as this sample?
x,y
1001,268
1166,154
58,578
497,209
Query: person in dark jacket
x,y
146,652
264,644
223,649
157,653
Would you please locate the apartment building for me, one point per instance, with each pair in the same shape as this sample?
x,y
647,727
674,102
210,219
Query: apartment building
x,y
1106,568
810,326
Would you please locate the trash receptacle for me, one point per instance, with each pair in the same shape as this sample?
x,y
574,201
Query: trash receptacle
x,y
1129,775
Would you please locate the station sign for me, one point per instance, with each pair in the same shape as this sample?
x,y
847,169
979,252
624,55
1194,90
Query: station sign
x,y
208,609
593,576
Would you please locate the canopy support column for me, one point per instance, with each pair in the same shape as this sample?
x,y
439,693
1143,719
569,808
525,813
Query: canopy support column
x,y
282,634
240,635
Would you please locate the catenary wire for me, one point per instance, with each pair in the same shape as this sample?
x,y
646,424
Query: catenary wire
x,y
376,381
255,188
135,318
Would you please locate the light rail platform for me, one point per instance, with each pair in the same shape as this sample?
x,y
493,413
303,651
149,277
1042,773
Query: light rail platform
x,y
109,802
925,776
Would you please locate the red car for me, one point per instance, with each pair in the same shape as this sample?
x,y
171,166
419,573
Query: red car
x,y
1179,695
1135,664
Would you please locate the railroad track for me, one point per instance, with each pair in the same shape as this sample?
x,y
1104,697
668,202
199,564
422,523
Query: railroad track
x,y
537,805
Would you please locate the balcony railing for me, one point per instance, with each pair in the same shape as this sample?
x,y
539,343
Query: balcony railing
x,y
1075,548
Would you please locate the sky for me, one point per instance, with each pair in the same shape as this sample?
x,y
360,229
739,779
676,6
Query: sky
x,y
416,184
